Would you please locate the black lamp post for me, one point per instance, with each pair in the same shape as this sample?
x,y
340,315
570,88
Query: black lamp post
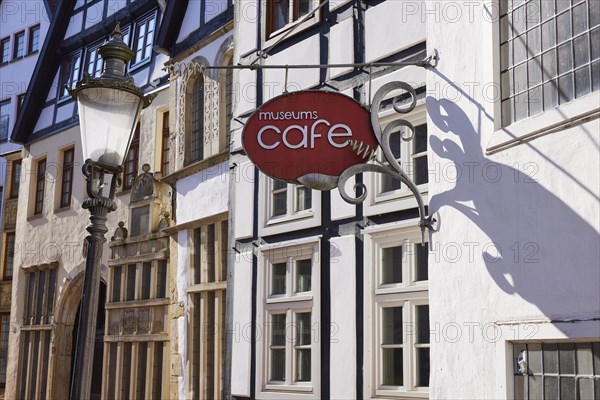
x,y
109,107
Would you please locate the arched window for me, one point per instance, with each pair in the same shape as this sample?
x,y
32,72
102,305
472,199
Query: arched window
x,y
196,138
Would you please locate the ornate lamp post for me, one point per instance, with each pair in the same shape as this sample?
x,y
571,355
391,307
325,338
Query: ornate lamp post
x,y
109,107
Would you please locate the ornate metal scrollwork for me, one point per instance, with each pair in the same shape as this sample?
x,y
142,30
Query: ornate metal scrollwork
x,y
393,167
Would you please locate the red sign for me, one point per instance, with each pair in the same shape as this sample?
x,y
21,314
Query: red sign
x,y
306,134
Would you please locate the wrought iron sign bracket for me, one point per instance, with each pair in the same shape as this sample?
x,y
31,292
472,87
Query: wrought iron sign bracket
x,y
391,167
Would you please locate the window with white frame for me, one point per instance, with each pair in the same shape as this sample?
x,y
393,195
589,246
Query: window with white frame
x,y
287,199
290,358
411,154
556,370
70,72
399,335
549,54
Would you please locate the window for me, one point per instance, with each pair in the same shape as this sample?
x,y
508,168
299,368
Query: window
x,y
4,50
399,334
550,54
69,72
164,156
66,187
206,294
282,12
9,255
143,39
556,370
15,179
39,187
140,220
4,331
196,139
4,119
93,61
36,333
19,45
289,199
130,170
34,39
290,315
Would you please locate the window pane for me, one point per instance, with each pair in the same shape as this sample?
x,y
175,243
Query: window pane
x,y
565,58
548,34
534,358
534,43
278,333
580,18
278,365
279,204
581,50
551,388
421,170
130,282
146,274
550,358
565,88
422,262
391,265
140,220
157,371
302,365
280,13
141,370
161,279
563,26
422,324
304,7
303,331
423,367
582,81
125,379
303,198
584,359
40,297
392,367
392,325
116,286
278,275
303,275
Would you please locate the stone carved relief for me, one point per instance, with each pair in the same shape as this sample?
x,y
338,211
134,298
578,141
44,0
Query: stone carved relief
x,y
5,293
114,328
143,185
128,322
143,320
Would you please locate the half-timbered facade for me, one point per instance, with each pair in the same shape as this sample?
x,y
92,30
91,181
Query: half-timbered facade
x,y
321,288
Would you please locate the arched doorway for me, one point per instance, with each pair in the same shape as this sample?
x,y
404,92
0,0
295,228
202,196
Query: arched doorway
x,y
98,345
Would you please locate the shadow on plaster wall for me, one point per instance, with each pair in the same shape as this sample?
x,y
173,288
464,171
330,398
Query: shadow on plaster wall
x,y
538,247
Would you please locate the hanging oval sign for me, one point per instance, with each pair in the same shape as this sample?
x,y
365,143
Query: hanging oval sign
x,y
308,137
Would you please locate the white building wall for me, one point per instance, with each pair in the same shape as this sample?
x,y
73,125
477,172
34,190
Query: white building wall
x,y
517,245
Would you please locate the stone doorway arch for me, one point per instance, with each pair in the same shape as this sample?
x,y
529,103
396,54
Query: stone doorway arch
x,y
63,341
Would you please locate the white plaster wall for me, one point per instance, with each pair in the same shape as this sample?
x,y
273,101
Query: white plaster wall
x,y
518,231
74,24
65,111
392,26
94,14
244,193
246,18
214,8
203,194
114,6
191,20
341,51
304,52
343,321
183,260
241,324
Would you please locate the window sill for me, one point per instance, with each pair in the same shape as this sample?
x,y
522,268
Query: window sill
x,y
421,394
287,299
558,119
387,289
298,27
139,64
290,218
35,217
62,209
287,388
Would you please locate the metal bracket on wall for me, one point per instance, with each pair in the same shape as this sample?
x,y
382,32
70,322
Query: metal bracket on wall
x,y
391,167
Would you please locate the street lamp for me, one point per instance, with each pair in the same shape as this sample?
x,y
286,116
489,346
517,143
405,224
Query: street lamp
x,y
109,107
